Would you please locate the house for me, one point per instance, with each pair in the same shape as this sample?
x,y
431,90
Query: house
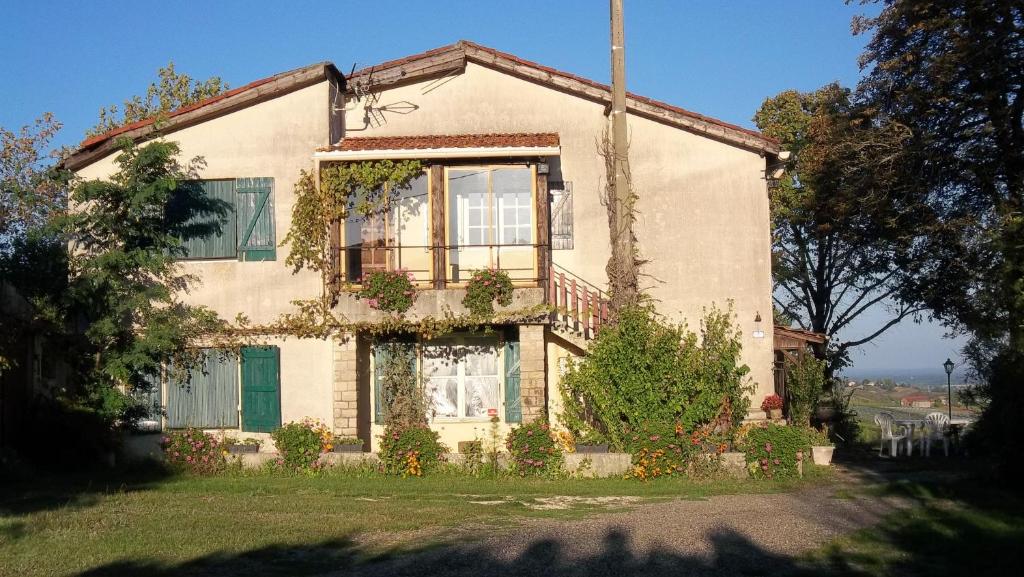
x,y
512,181
917,400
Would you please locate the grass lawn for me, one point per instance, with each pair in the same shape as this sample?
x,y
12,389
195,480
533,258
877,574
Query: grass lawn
x,y
286,525
963,528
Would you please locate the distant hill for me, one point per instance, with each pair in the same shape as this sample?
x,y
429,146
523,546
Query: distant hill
x,y
921,377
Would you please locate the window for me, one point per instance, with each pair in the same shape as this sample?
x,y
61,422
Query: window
x,y
227,218
461,380
399,239
490,206
561,215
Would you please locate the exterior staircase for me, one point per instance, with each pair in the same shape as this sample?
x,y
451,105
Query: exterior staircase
x,y
581,309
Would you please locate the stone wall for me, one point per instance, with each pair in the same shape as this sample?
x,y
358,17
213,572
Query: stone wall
x,y
532,382
346,386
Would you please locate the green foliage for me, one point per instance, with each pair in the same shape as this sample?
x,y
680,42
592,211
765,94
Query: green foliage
x,y
193,451
402,397
410,451
844,427
951,71
170,92
363,188
533,450
772,450
125,285
670,451
644,372
805,385
844,230
299,443
390,291
484,287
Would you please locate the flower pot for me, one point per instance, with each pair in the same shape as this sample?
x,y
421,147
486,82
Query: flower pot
x,y
822,455
347,448
239,449
602,448
775,414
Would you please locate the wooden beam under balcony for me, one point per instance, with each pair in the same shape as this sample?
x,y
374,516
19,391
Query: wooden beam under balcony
x,y
437,239
543,230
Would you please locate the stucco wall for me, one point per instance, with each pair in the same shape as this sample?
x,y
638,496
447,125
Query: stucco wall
x,y
703,209
274,139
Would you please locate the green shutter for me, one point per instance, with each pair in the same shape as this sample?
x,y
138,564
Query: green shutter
x,y
255,206
210,242
513,400
209,398
381,354
261,389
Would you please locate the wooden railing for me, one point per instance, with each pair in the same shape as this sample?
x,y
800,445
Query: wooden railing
x,y
580,307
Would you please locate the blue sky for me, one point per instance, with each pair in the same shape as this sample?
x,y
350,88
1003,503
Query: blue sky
x,y
720,58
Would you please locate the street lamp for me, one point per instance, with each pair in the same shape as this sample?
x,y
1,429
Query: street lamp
x,y
948,365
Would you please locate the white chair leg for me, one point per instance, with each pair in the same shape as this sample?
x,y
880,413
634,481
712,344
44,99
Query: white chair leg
x,y
894,450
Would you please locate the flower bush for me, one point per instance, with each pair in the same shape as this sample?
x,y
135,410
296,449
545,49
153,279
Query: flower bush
x,y
771,403
410,451
300,443
390,291
660,451
484,287
534,450
193,451
771,450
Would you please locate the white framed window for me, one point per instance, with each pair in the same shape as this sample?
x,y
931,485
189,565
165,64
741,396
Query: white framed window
x,y
491,205
462,379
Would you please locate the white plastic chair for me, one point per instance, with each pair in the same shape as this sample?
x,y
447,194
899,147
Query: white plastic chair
x,y
885,421
936,428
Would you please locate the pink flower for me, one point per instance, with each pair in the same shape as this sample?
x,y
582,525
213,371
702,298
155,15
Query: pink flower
x,y
655,437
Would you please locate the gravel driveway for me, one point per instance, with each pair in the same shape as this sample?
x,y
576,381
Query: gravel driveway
x,y
725,535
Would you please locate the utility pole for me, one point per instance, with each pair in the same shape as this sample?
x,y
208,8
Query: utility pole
x,y
622,267
619,137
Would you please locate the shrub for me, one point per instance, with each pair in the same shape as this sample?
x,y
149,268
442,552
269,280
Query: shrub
x,y
771,450
390,291
193,451
643,372
771,403
805,384
534,450
484,287
410,451
660,451
300,443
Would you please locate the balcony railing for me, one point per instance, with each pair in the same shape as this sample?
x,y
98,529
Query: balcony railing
x,y
456,261
580,307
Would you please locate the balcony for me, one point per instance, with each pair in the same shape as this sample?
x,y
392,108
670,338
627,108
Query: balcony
x,y
451,221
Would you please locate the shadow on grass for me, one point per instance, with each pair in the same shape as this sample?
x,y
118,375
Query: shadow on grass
x,y
33,493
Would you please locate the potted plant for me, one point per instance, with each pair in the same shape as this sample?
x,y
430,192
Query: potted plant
x,y
346,445
821,447
772,404
237,447
591,442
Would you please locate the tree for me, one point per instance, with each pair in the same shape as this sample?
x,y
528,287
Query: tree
x,y
845,236
125,284
170,92
952,71
32,187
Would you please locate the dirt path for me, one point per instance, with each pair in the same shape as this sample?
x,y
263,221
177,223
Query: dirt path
x,y
726,535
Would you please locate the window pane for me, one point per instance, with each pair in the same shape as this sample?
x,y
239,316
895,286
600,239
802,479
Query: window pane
x,y
467,193
443,395
481,395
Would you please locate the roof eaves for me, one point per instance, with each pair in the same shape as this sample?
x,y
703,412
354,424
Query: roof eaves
x,y
255,92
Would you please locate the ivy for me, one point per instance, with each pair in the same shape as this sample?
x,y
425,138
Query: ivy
x,y
363,188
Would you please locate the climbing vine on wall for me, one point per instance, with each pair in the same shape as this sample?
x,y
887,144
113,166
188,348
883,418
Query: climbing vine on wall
x,y
363,188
